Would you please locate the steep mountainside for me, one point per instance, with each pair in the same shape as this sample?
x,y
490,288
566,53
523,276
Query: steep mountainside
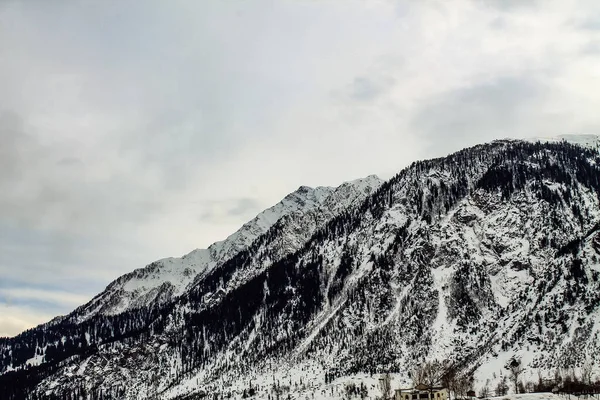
x,y
487,255
163,280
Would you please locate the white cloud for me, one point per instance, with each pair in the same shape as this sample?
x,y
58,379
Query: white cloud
x,y
15,319
61,298
142,130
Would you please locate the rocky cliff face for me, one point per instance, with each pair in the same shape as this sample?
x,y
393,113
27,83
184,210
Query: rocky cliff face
x,y
487,255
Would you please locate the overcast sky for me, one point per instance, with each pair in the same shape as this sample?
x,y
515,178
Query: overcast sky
x,y
136,130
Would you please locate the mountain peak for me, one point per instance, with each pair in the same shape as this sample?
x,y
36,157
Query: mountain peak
x,y
307,197
368,181
169,277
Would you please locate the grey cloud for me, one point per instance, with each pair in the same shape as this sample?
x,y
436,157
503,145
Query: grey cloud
x,y
181,147
49,298
36,262
591,24
365,89
370,87
498,23
43,185
15,319
591,48
512,5
480,113
125,120
230,209
18,149
244,206
70,162
209,216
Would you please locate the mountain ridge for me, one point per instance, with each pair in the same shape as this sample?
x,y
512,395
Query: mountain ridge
x,y
160,281
487,245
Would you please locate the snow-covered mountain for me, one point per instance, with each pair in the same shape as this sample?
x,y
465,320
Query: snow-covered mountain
x,y
587,140
488,255
163,280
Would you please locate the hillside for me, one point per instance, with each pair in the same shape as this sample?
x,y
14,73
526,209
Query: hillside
x,y
164,280
483,256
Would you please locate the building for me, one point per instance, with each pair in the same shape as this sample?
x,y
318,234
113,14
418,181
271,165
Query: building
x,y
422,392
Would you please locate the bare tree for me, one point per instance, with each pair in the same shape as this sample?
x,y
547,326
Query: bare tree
x,y
568,375
516,369
434,371
462,385
502,387
449,377
418,375
277,390
485,390
430,374
349,390
586,373
557,376
530,387
364,392
386,386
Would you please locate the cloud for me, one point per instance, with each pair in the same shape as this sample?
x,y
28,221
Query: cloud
x,y
134,132
17,150
245,206
14,320
233,209
367,89
592,48
70,161
504,107
587,23
57,298
512,5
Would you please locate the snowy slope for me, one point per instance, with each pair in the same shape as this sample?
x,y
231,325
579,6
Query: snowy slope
x,y
165,279
587,140
484,256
